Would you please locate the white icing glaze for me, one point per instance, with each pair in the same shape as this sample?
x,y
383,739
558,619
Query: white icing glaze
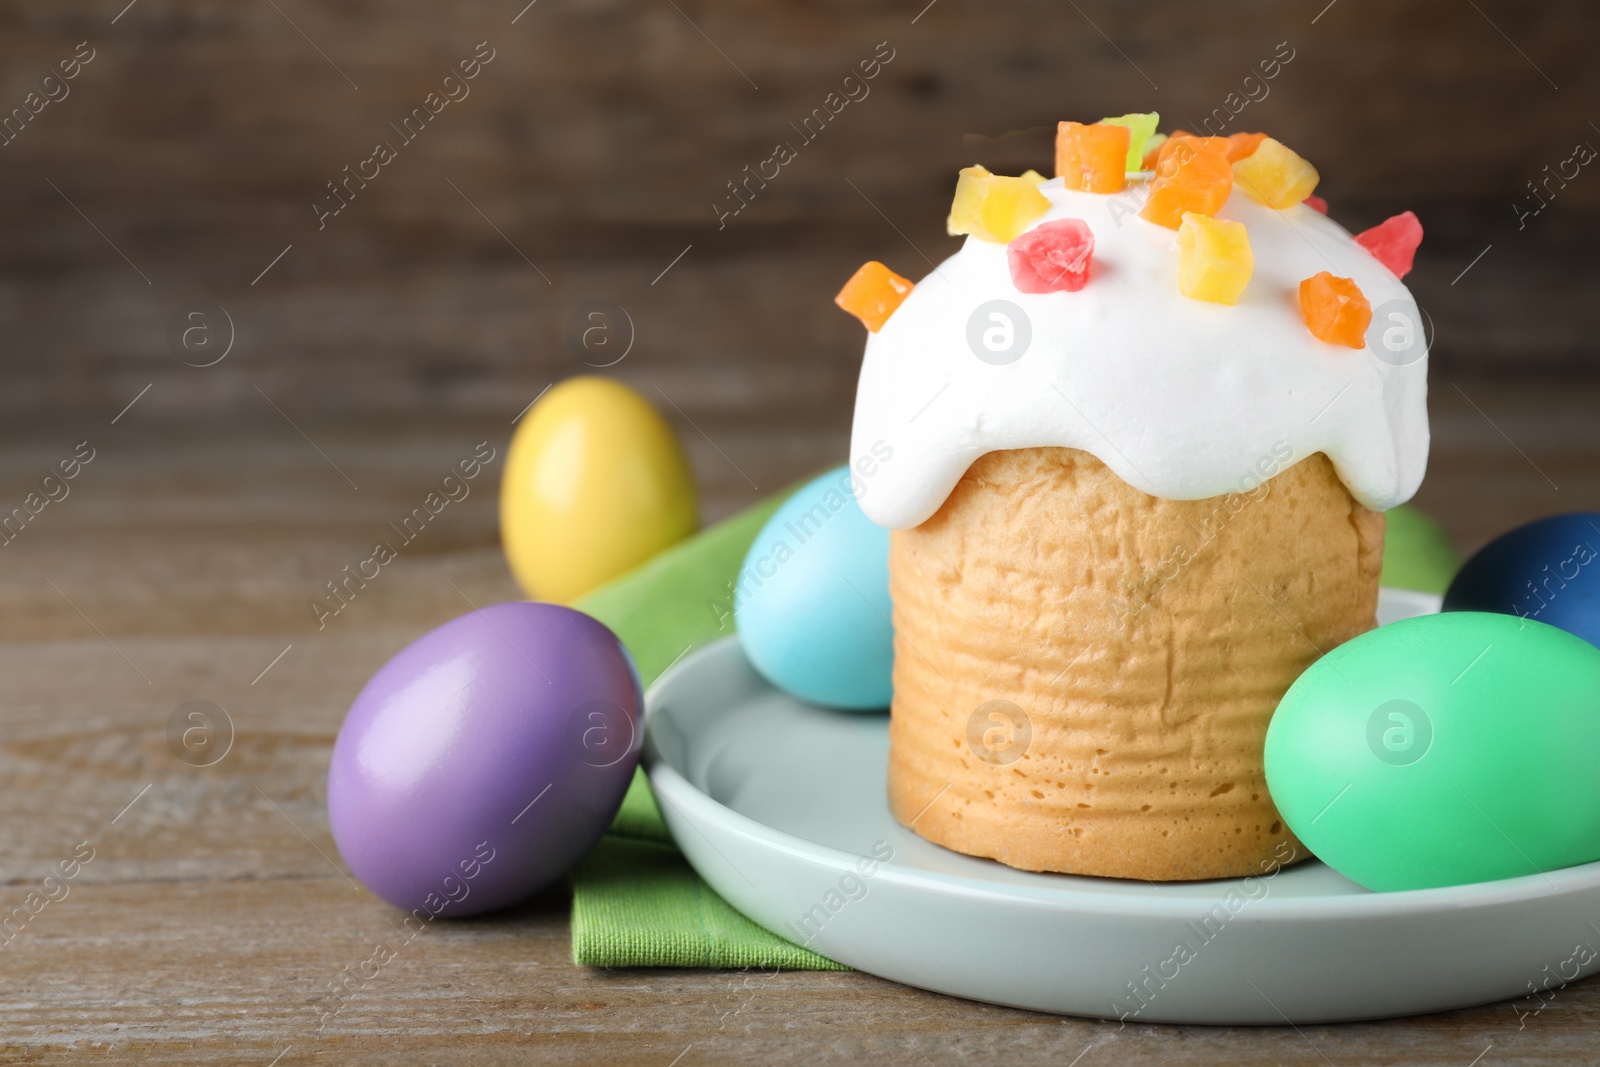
x,y
1182,398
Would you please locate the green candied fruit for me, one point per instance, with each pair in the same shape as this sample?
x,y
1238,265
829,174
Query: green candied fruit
x,y
1141,126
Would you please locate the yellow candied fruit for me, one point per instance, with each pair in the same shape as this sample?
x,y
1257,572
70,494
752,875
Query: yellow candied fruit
x,y
1033,176
969,194
992,207
1275,175
1214,258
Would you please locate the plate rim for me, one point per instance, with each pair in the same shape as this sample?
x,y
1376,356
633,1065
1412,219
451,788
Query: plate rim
x,y
683,794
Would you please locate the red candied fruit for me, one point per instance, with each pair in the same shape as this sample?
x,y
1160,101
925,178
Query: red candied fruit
x,y
1316,203
1393,242
1053,257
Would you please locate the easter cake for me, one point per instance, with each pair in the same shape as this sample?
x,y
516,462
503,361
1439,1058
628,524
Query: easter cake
x,y
1144,426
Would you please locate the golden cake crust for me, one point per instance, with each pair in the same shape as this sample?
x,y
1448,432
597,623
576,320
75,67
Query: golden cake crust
x,y
1084,673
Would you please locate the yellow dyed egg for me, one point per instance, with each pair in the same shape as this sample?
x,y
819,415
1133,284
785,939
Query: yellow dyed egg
x,y
595,484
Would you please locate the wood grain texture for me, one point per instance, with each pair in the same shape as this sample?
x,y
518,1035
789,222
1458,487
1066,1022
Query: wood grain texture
x,y
215,914
421,319
592,148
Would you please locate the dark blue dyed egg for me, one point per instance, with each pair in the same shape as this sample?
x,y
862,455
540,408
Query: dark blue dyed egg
x,y
1548,570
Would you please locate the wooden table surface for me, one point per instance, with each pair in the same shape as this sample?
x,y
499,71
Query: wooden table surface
x,y
215,914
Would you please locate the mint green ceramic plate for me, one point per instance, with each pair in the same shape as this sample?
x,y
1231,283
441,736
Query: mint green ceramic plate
x,y
781,808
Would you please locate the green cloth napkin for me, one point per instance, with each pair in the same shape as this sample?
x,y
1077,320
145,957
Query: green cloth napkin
x,y
1417,553
636,902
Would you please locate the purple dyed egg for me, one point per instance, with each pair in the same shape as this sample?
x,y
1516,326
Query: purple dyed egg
x,y
485,759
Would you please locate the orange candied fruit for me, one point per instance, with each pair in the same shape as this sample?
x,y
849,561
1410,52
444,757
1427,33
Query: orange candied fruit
x,y
1193,176
1170,145
1335,310
1237,145
1092,159
1152,150
873,293
1243,145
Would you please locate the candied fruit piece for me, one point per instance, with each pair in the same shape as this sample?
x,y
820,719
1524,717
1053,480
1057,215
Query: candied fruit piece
x,y
1093,159
1009,205
1317,204
1393,242
1275,175
1033,176
1152,151
1193,176
1141,127
1052,257
992,207
969,193
1218,144
873,293
1243,145
1214,259
1335,310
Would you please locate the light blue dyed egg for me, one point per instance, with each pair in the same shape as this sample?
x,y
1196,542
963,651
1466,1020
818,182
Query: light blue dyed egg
x,y
812,601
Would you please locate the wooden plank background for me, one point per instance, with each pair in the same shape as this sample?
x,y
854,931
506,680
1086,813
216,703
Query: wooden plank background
x,y
599,137
186,156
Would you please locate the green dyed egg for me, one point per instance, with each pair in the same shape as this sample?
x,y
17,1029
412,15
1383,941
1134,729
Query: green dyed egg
x,y
1417,554
1443,750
